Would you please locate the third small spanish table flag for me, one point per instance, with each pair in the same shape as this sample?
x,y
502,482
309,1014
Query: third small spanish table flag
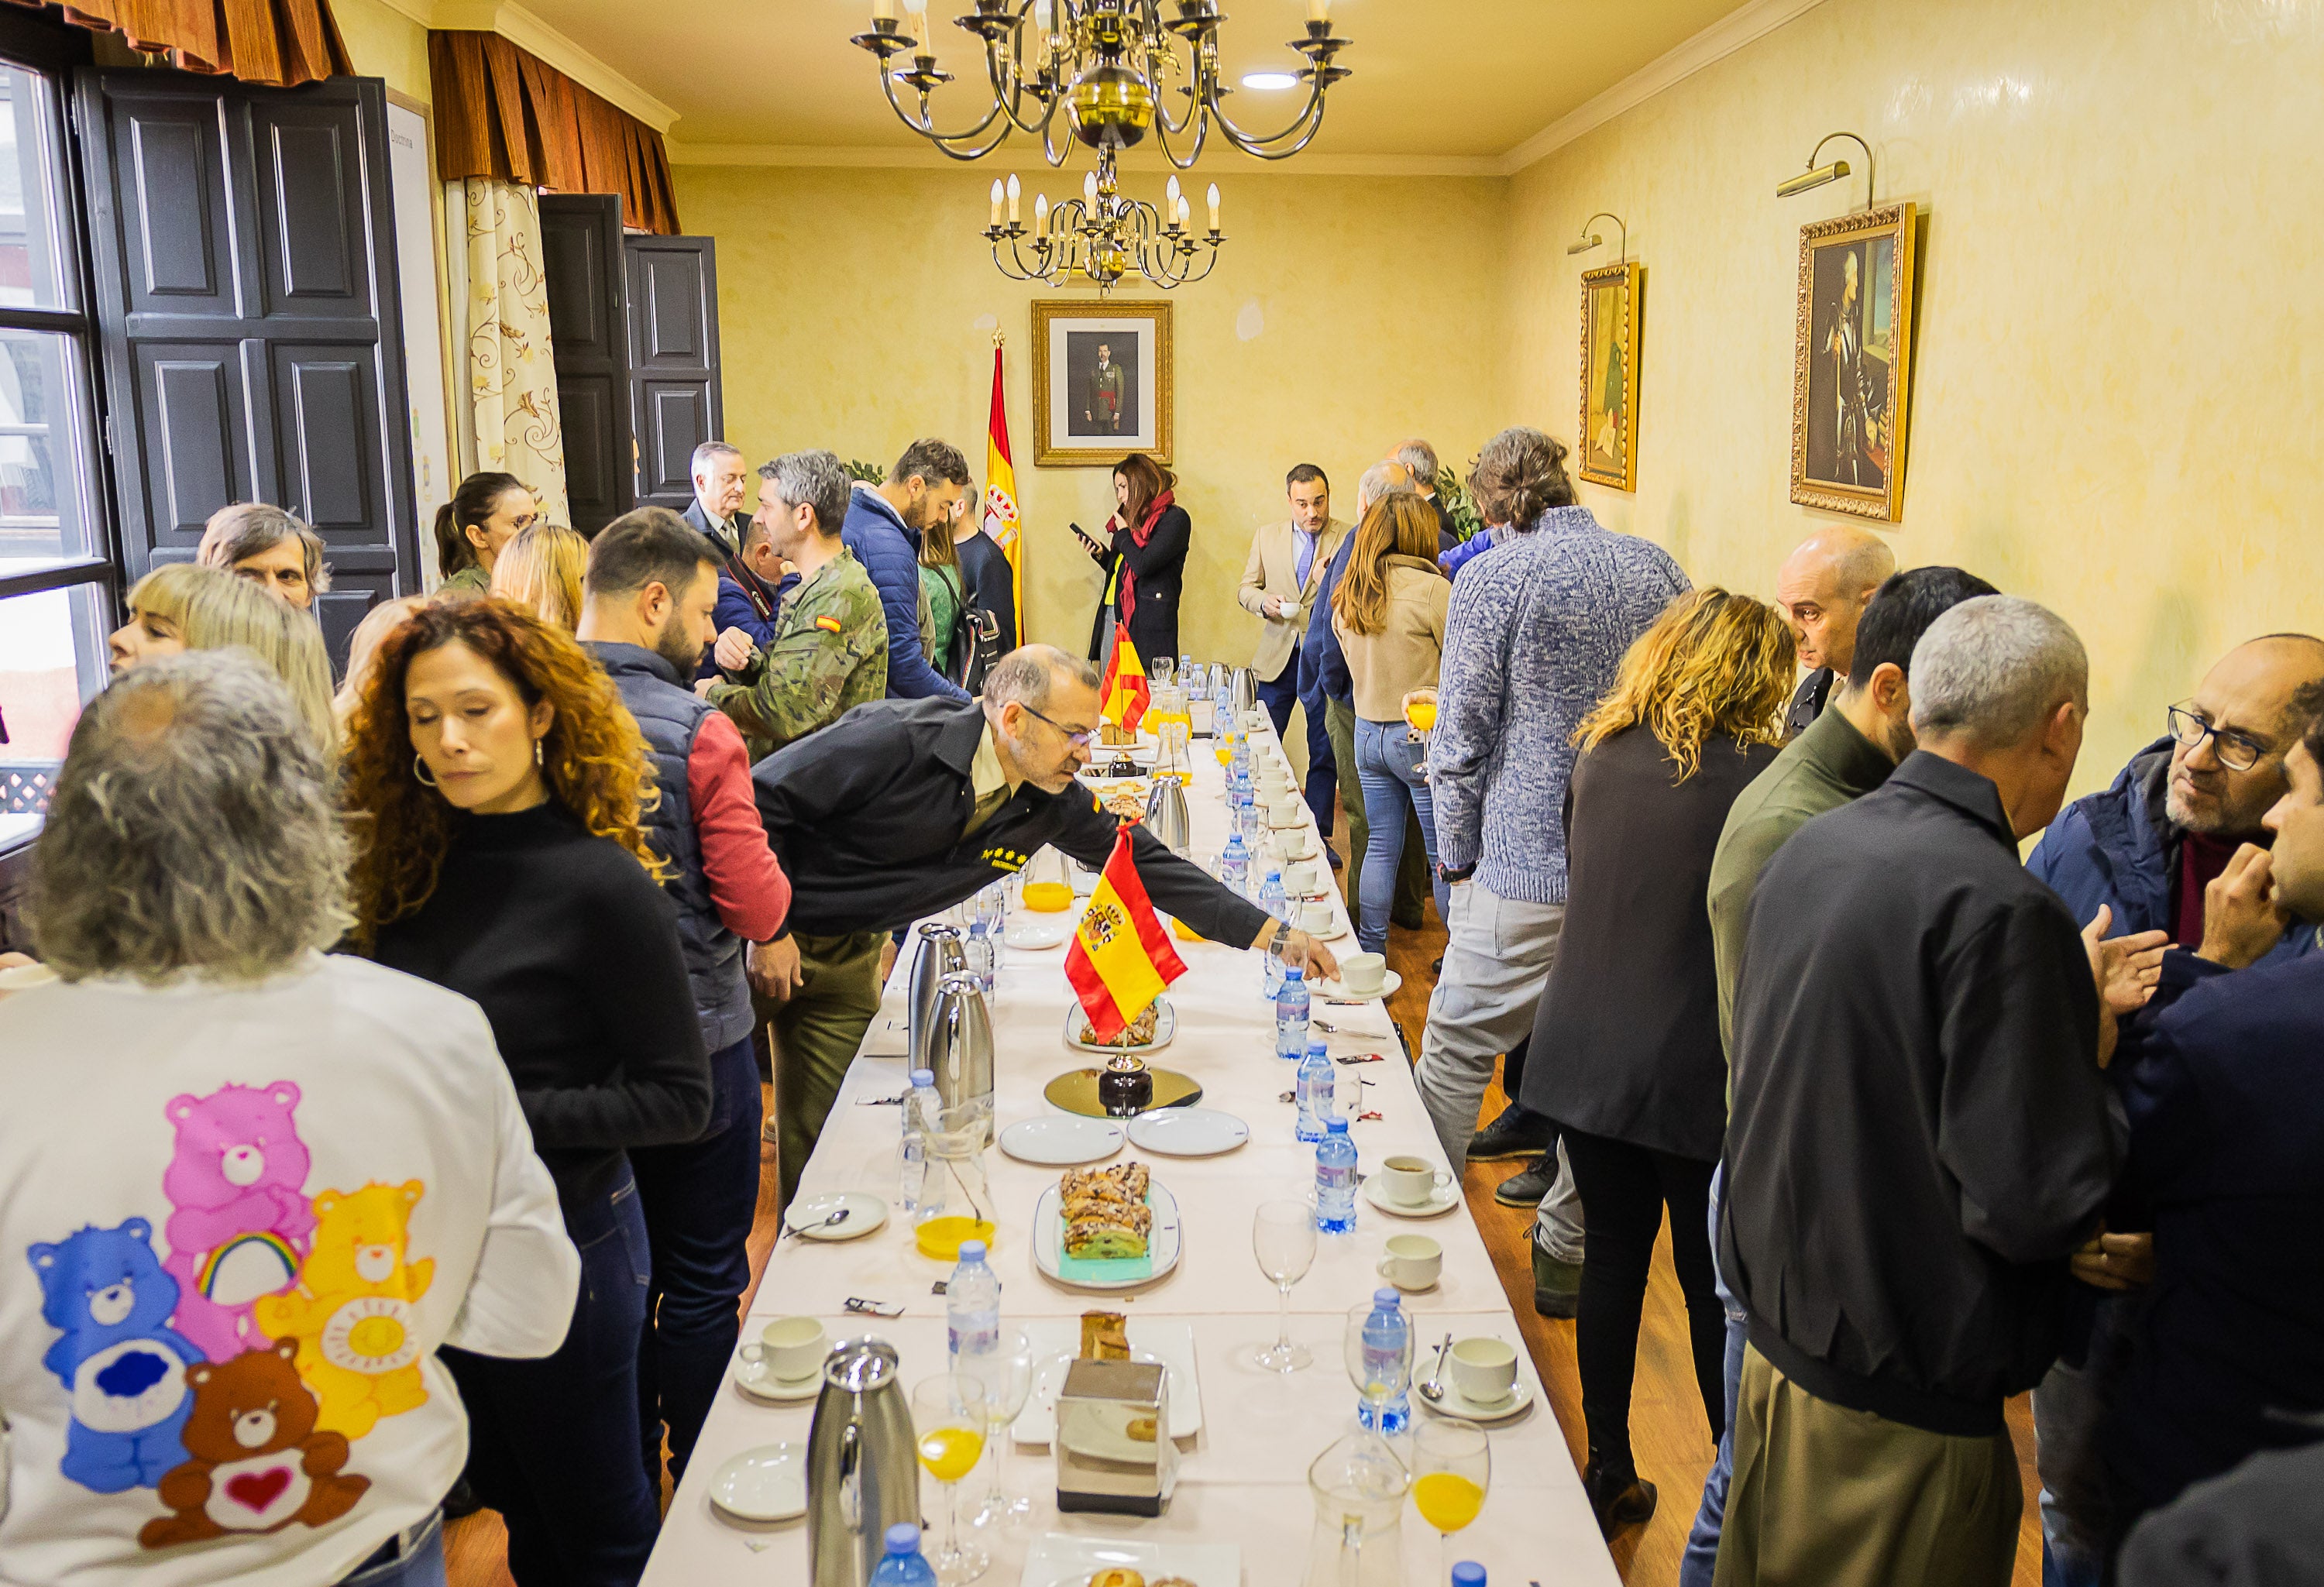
x,y
1120,958
1126,692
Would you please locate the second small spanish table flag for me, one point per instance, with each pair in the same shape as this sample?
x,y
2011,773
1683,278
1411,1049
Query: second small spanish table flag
x,y
1120,958
1126,692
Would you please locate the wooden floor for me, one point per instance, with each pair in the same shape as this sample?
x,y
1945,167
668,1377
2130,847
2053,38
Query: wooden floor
x,y
1669,1432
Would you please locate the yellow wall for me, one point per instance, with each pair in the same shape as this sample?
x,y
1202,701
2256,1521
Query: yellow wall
x,y
385,43
2115,405
856,310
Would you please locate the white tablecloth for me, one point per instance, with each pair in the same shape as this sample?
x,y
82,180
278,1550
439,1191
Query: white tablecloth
x,y
1243,1478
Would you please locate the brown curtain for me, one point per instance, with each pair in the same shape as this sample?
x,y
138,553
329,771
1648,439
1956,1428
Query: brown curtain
x,y
278,42
505,113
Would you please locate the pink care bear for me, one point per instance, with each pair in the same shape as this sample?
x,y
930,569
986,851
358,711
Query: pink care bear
x,y
237,1180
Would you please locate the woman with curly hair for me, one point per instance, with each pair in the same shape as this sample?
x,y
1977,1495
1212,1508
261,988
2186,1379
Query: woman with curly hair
x,y
495,781
541,571
1627,1055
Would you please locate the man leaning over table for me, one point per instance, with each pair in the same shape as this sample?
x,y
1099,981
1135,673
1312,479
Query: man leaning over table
x,y
904,808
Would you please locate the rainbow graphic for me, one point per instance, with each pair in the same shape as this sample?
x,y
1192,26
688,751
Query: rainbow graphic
x,y
259,1262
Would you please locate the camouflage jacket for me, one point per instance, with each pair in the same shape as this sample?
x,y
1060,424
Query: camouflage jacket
x,y
829,654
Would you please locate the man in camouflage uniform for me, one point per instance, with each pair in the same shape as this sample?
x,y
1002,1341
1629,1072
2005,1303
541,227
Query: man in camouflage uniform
x,y
829,648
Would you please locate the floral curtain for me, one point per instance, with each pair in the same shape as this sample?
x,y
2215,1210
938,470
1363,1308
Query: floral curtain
x,y
510,422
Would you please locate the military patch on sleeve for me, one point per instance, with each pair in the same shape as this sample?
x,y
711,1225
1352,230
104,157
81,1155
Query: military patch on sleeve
x,y
829,625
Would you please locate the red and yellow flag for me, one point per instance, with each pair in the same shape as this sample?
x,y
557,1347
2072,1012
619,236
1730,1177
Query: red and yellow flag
x,y
1126,692
1120,958
1002,520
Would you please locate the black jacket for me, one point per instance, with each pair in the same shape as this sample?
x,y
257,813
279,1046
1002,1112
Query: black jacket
x,y
992,593
1920,1132
1160,565
1808,701
867,817
1630,1022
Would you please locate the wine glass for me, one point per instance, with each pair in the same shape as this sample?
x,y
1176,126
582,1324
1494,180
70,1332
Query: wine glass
x,y
1452,1469
1007,1375
1283,1239
949,1421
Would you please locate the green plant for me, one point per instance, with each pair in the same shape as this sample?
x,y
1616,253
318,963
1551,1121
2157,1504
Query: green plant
x,y
1458,507
869,473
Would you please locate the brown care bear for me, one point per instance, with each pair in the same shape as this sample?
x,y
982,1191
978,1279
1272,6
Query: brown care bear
x,y
255,1464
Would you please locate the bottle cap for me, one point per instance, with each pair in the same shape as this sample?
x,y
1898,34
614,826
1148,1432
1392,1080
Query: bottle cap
x,y
971,1250
923,1077
904,1538
1386,1300
1291,973
1468,1574
1337,1126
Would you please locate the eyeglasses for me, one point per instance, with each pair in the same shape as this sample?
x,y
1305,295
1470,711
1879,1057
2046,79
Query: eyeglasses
x,y
2238,752
1080,741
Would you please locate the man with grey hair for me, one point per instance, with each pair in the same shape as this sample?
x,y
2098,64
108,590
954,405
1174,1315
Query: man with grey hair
x,y
747,599
191,872
904,808
1921,1134
1419,459
716,510
270,548
1823,588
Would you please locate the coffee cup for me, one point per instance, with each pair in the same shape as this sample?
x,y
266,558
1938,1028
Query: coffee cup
x,y
1315,918
1299,876
1413,1262
791,1349
1483,1369
1363,974
1412,1182
1297,845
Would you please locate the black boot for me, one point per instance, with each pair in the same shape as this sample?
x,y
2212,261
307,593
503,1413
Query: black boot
x,y
1618,1496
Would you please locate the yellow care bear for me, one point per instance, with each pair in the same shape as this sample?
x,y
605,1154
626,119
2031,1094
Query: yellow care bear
x,y
355,1310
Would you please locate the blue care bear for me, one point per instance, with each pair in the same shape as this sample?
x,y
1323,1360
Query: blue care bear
x,y
124,1371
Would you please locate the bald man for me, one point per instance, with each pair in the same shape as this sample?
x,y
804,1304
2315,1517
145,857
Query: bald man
x,y
1823,588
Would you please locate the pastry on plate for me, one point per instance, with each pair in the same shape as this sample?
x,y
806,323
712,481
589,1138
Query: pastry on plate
x,y
1125,1181
1103,1231
1121,1576
1105,1337
1138,1032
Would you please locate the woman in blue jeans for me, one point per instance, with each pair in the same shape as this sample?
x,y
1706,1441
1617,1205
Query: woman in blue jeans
x,y
1388,614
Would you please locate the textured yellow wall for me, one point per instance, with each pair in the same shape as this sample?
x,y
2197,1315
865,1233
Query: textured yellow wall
x,y
385,43
2116,409
856,310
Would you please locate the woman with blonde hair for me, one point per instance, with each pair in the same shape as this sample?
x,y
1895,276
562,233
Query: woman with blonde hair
x,y
1387,613
179,607
494,779
541,571
1634,1070
363,651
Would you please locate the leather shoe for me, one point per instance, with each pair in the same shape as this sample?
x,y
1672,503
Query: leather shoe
x,y
1527,1188
1332,854
1620,1499
1514,1133
1556,1289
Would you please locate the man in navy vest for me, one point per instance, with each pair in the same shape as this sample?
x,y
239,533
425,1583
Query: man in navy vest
x,y
652,590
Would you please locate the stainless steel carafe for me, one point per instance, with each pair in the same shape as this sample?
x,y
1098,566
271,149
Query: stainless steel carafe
x,y
938,952
1165,815
863,1475
1243,691
960,1042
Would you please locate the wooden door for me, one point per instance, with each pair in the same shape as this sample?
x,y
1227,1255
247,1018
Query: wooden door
x,y
675,402
588,322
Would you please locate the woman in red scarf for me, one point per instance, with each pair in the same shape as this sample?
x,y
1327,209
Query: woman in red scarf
x,y
1143,555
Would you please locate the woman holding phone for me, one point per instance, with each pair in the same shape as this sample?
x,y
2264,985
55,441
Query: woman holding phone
x,y
1143,552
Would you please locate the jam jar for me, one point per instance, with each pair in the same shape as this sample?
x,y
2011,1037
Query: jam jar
x,y
1125,1088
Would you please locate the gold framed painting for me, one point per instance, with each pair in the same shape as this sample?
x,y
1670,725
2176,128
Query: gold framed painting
x,y
1102,382
1607,437
1852,377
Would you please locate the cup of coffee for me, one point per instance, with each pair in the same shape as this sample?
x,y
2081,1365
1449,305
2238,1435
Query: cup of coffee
x,y
1362,974
1299,876
1413,1262
1315,918
1412,1182
791,1349
1297,845
1484,1371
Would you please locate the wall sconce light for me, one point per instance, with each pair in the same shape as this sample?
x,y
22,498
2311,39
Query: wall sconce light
x,y
1815,176
1589,239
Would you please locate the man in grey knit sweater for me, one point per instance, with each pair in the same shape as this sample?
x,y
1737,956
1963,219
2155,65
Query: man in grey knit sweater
x,y
1537,632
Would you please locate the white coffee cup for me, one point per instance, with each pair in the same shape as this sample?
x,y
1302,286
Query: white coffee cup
x,y
1299,876
1363,974
1413,1262
1295,844
1483,1369
1315,918
1412,1182
790,1347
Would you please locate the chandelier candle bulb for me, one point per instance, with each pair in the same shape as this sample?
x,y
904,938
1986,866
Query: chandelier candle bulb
x,y
1214,200
996,202
1171,190
1014,191
882,11
1184,209
1089,189
1041,214
1319,11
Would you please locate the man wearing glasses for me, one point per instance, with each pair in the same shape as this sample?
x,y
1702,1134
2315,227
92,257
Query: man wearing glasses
x,y
901,809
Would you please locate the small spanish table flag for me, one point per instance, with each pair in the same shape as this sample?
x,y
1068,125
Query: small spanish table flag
x,y
1120,958
1126,692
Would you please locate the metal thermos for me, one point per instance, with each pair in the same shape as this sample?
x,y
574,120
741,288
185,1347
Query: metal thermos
x,y
960,1042
936,952
1165,815
863,1475
1244,691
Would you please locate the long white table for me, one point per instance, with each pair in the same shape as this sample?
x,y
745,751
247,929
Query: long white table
x,y
1243,1478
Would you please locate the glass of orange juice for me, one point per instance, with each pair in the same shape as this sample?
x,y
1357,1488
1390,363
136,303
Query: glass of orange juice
x,y
1452,1468
1049,886
1420,711
949,1426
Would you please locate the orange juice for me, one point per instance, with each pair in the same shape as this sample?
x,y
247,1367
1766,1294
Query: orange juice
x,y
950,1453
1226,751
1048,897
941,1237
1421,715
1447,1501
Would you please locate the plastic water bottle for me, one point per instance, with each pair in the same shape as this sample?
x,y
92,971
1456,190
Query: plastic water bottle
x,y
1188,673
1234,867
1388,1335
920,1105
972,1306
1251,824
1278,904
1318,1089
1335,1179
904,1565
1468,1574
1291,1016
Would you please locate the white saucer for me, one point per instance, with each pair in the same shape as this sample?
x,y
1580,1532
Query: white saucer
x,y
1188,1132
1331,991
757,1381
1456,1404
865,1213
1061,1140
1290,859
1443,1200
764,1484
1040,931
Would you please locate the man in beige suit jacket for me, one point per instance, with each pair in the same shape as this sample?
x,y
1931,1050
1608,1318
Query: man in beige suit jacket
x,y
1286,564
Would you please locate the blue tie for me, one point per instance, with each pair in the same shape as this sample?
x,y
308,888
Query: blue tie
x,y
1304,558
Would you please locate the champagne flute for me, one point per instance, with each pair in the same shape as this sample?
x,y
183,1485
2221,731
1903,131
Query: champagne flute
x,y
949,1423
1452,1470
1007,1375
1283,1239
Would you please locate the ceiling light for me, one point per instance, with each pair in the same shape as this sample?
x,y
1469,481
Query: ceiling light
x,y
1269,79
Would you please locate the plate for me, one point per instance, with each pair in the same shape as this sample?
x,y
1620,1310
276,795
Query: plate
x,y
1040,931
1061,1140
1162,1248
865,1213
1166,1026
1075,1091
1441,1200
1055,1559
1057,1340
1456,1404
764,1484
1188,1132
757,1380
1332,992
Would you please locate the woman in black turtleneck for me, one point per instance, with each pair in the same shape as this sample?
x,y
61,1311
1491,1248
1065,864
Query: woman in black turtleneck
x,y
495,776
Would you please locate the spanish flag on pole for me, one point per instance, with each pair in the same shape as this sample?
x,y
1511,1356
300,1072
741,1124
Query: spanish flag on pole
x,y
1121,957
1126,692
1002,521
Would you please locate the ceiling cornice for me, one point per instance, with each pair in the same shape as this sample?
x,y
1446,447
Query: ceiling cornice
x,y
528,32
923,158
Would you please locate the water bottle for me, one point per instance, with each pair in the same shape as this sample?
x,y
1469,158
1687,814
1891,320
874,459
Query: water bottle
x,y
920,1106
1290,1016
1278,904
1189,674
1234,867
1388,1335
1335,1179
904,1565
1318,1089
972,1306
1468,1574
1251,824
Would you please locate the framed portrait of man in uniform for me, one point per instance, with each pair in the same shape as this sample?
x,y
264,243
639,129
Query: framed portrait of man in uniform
x,y
1101,382
1607,441
1851,379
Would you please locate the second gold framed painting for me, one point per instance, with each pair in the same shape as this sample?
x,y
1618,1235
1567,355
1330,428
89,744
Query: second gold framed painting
x,y
1612,317
1852,365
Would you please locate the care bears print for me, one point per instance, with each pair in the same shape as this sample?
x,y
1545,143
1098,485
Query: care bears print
x,y
122,1369
240,1230
256,1460
352,1313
